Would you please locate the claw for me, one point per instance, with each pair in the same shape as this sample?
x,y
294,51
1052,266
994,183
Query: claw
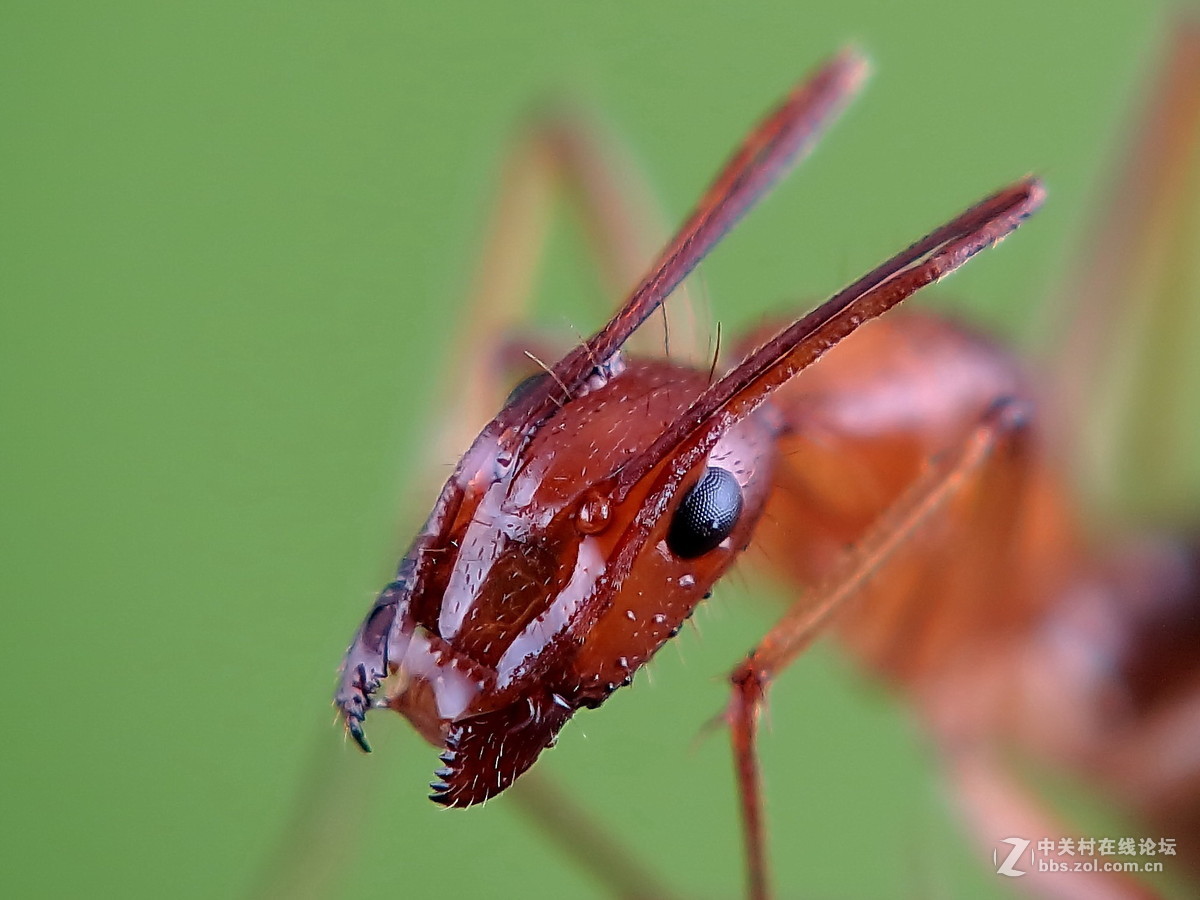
x,y
368,658
354,726
353,699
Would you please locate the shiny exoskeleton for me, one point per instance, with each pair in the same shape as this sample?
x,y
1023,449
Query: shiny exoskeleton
x,y
907,471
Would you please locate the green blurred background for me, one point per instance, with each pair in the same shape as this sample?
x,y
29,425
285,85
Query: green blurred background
x,y
235,239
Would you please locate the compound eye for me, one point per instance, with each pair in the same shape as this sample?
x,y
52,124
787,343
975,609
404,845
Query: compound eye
x,y
523,387
707,514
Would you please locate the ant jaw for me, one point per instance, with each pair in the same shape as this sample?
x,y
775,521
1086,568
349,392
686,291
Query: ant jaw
x,y
484,754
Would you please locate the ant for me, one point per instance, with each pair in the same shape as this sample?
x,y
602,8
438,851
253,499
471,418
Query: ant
x,y
901,478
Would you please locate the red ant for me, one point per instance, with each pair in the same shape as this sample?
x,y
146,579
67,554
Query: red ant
x,y
903,481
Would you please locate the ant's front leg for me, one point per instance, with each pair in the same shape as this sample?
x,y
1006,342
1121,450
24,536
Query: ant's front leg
x,y
1122,355
997,443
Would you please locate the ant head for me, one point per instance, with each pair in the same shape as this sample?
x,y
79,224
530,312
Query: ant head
x,y
552,581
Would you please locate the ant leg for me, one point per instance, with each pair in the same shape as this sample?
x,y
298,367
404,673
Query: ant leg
x,y
998,807
1125,348
577,835
1002,428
